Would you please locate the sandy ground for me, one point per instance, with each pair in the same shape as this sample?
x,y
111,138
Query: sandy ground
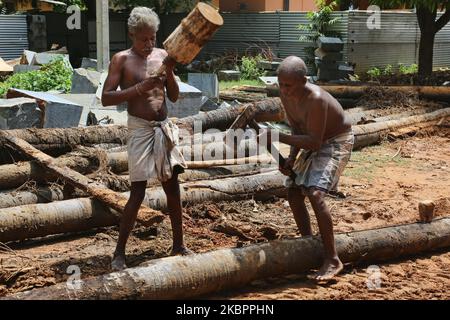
x,y
382,184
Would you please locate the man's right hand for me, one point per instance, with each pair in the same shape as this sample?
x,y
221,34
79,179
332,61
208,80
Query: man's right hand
x,y
287,169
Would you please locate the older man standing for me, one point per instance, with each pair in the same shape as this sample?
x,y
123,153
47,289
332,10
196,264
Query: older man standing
x,y
322,131
152,151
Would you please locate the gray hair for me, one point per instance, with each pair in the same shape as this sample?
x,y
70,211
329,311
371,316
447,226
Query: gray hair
x,y
142,17
293,65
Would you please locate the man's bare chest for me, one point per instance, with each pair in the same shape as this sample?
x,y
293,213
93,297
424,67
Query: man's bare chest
x,y
297,117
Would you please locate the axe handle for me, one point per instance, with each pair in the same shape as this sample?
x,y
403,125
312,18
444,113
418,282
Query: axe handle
x,y
270,146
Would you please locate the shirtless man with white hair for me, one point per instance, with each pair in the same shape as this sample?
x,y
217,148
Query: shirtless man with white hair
x,y
321,129
152,151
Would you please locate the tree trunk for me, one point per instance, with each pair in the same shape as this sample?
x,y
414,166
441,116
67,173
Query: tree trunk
x,y
15,175
438,93
39,195
372,115
110,198
13,198
64,139
72,136
205,273
221,119
373,132
12,176
426,19
38,220
30,221
262,159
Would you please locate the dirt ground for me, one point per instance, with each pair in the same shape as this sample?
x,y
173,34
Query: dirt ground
x,y
382,185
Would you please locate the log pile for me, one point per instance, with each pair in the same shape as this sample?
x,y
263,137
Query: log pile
x,y
87,188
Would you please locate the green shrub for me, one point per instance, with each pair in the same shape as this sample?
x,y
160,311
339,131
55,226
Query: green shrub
x,y
249,68
53,76
403,69
374,73
388,70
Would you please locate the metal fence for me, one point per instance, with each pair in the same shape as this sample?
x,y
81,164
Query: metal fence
x,y
397,41
13,36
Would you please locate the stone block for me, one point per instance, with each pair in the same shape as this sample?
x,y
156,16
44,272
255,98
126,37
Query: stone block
x,y
330,44
229,75
85,81
19,113
208,83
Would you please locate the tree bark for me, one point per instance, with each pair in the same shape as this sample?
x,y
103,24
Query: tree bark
x,y
426,19
72,136
30,221
372,133
205,273
45,194
438,93
110,198
15,175
39,195
221,119
368,116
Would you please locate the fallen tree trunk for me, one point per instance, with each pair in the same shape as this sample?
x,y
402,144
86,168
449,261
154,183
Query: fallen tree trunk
x,y
30,221
39,195
201,274
438,93
14,175
72,136
38,220
110,198
262,159
372,133
221,119
266,110
14,198
372,115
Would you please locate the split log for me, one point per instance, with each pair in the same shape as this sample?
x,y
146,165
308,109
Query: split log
x,y
186,277
110,198
30,221
373,133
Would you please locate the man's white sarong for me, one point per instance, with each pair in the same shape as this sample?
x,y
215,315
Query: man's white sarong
x,y
152,151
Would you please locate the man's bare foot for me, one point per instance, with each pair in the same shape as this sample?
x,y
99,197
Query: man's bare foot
x,y
181,251
118,262
329,269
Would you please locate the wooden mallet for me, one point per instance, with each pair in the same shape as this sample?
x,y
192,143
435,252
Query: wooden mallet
x,y
186,41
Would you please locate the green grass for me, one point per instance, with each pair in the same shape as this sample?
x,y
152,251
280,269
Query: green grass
x,y
369,162
226,85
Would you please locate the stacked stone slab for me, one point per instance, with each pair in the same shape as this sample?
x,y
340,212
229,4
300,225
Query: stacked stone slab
x,y
270,67
329,60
